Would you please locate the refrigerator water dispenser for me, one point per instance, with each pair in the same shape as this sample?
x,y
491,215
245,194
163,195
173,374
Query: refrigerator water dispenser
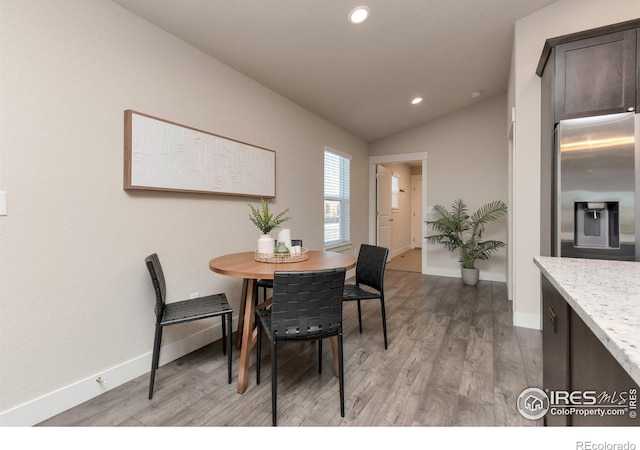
x,y
596,224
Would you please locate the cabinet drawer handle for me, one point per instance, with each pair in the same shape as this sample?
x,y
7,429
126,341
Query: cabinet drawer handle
x,y
554,320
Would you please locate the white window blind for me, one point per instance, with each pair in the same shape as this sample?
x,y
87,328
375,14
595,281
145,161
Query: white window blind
x,y
336,199
395,192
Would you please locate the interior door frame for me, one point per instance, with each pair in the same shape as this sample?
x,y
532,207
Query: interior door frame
x,y
419,236
393,159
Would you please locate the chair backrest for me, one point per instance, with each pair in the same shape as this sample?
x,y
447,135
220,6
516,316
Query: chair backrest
x,y
370,266
157,278
307,302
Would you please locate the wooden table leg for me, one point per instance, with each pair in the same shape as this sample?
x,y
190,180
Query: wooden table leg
x,y
334,350
243,303
247,334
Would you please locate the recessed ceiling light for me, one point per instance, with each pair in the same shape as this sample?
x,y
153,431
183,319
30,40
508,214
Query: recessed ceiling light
x,y
358,15
416,100
476,94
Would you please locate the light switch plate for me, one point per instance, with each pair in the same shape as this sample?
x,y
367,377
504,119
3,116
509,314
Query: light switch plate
x,y
3,203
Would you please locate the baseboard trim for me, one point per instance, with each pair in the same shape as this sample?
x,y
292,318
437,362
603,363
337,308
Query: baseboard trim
x,y
455,273
42,408
523,320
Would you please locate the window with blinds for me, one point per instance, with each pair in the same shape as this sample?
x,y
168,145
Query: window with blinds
x,y
395,192
336,199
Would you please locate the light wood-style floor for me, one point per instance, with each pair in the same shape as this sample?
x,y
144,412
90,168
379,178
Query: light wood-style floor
x,y
409,261
454,359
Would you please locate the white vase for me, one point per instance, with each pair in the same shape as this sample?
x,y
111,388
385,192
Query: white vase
x,y
266,244
470,276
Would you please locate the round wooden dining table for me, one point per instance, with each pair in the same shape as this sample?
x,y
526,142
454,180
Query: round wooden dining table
x,y
244,265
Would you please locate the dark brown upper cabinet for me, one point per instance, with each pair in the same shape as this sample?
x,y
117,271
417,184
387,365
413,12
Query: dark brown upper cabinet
x,y
596,76
592,72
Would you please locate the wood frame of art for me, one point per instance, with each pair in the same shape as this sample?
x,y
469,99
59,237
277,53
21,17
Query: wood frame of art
x,y
160,155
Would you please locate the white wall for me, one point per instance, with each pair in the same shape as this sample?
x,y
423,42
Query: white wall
x,y
560,18
467,159
76,300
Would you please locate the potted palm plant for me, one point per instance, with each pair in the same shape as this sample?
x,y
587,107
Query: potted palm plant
x,y
457,230
266,221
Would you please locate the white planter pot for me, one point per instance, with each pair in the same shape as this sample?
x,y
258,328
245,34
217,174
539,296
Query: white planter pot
x,y
266,244
470,276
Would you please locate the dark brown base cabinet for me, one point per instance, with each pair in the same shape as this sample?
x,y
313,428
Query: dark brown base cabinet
x,y
555,345
575,360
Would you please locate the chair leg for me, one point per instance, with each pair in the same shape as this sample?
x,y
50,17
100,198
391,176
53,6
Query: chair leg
x,y
224,334
229,345
319,355
274,382
384,321
359,317
258,349
341,371
155,358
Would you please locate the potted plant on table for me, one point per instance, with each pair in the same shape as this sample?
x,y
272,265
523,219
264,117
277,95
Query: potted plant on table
x,y
457,230
266,221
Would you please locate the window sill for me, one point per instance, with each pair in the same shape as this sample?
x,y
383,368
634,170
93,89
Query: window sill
x,y
341,247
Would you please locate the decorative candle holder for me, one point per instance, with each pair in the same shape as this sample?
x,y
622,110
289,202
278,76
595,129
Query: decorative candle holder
x,y
284,236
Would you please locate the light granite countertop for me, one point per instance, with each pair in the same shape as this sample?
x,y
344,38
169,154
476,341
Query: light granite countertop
x,y
606,296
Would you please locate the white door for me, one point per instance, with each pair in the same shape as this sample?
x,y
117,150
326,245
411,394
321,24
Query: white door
x,y
416,211
383,196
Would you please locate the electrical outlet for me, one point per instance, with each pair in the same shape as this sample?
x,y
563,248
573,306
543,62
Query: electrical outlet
x,y
195,295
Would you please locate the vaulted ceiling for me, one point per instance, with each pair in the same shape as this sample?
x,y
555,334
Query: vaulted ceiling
x,y
359,77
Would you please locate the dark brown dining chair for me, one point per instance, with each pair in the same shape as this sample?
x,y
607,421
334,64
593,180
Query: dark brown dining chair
x,y
370,273
268,284
307,306
185,311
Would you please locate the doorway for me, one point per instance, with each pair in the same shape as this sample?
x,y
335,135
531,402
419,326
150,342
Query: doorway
x,y
418,160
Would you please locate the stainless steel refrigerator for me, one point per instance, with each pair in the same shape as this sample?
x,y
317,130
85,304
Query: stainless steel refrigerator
x,y
598,188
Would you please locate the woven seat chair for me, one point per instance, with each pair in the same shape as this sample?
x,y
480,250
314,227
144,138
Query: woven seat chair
x,y
185,311
268,284
369,272
307,306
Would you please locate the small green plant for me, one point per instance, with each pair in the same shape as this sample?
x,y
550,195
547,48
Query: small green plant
x,y
264,219
459,231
